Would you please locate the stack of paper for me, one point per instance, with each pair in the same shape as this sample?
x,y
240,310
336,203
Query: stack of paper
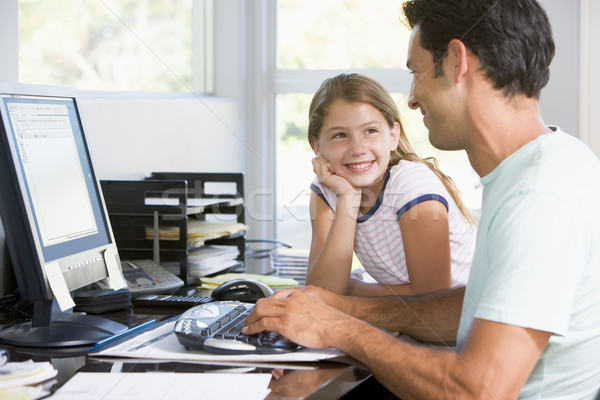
x,y
26,379
274,282
208,260
290,263
198,231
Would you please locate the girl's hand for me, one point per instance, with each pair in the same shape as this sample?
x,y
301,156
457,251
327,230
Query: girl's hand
x,y
329,179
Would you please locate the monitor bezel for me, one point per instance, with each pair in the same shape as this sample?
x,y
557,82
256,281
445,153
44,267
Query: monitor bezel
x,y
24,245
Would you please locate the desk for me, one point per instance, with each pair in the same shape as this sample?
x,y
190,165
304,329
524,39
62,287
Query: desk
x,y
327,380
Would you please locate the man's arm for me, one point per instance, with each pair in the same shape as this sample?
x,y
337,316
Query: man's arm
x,y
495,361
432,317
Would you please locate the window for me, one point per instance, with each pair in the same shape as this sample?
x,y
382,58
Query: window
x,y
318,39
125,45
340,34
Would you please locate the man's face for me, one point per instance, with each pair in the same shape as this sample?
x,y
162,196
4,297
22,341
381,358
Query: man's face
x,y
434,96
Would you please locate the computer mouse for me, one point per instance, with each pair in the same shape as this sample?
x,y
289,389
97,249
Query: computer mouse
x,y
245,290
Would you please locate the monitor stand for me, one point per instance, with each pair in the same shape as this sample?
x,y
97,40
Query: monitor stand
x,y
59,329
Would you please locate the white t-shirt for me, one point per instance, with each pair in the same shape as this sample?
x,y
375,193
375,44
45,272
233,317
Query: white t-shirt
x,y
537,261
378,241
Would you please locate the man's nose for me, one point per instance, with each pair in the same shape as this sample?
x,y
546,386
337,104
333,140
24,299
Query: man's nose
x,y
412,100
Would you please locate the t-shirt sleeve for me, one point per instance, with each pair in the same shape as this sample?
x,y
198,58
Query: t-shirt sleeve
x,y
537,249
325,194
413,183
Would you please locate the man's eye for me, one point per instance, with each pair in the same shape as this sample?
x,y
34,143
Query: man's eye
x,y
338,136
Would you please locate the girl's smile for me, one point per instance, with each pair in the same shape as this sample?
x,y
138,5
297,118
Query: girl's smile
x,y
360,166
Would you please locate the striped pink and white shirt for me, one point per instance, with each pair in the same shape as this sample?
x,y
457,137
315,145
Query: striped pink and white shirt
x,y
378,240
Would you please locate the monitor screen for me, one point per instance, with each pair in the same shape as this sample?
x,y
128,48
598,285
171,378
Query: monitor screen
x,y
57,177
57,228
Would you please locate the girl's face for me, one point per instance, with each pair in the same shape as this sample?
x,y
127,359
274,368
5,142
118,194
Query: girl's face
x,y
356,140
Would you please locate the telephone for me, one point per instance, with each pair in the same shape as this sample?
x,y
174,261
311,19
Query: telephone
x,y
147,276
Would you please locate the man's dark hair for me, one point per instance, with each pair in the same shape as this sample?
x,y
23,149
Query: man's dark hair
x,y
512,38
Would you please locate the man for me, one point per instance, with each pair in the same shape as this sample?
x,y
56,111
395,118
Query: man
x,y
530,316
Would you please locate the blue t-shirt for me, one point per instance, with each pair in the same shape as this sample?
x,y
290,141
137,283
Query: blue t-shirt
x,y
537,261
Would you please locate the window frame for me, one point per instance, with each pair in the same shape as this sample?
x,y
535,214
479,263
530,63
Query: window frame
x,y
203,55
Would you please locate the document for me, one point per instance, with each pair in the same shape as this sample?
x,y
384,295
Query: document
x,y
164,385
272,281
26,380
161,343
198,231
207,260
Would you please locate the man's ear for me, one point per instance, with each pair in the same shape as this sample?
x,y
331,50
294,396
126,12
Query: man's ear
x,y
457,60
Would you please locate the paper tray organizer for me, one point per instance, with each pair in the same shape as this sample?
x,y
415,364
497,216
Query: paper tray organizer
x,y
164,216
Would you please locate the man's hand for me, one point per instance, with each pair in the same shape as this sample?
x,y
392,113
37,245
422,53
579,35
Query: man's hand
x,y
300,315
334,300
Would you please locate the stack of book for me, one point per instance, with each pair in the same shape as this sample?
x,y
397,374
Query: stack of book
x,y
290,263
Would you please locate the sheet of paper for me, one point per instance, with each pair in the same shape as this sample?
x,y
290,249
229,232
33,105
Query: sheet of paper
x,y
164,385
59,288
193,202
115,276
274,282
161,344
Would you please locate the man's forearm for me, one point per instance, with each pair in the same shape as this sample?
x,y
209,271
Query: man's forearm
x,y
431,317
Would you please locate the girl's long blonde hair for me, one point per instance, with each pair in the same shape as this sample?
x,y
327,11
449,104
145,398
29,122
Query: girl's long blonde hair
x,y
356,88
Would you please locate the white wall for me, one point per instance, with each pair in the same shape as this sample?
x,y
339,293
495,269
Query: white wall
x,y
8,72
589,79
132,137
9,44
559,100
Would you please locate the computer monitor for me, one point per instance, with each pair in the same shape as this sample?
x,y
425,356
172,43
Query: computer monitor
x,y
55,220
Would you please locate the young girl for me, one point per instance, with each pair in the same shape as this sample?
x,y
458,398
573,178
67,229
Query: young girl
x,y
373,195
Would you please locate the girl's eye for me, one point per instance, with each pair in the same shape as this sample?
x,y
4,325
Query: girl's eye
x,y
371,131
338,136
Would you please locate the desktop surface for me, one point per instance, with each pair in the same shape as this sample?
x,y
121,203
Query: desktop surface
x,y
319,380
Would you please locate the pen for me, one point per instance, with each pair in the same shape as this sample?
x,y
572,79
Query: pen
x,y
120,335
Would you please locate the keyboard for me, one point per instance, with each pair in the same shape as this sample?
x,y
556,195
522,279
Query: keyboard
x,y
169,300
216,327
